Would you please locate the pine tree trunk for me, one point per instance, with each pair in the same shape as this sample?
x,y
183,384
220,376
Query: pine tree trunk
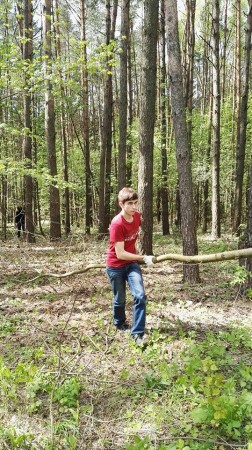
x,y
224,55
246,241
130,112
55,225
3,180
249,218
189,63
206,203
147,121
123,96
163,118
28,181
242,129
37,207
62,122
4,206
106,150
216,231
85,114
188,227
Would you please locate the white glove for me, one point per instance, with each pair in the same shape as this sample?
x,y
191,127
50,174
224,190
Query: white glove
x,y
148,260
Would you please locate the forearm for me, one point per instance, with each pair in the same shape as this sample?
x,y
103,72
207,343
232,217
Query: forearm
x,y
129,256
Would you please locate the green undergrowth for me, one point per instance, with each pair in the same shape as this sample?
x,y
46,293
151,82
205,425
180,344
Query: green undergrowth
x,y
203,393
206,391
69,381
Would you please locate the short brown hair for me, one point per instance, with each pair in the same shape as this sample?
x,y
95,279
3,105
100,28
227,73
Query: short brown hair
x,y
127,194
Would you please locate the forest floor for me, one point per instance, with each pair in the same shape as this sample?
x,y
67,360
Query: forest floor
x,y
68,380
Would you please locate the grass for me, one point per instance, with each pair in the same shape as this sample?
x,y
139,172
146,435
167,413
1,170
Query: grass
x,y
69,381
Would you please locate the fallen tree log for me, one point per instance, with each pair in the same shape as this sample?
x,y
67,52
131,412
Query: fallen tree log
x,y
212,257
196,259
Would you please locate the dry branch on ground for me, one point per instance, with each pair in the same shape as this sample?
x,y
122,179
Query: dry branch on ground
x,y
196,259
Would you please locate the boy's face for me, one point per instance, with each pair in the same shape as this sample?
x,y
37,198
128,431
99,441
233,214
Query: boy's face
x,y
129,207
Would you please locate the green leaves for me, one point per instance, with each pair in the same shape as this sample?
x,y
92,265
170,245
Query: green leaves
x,y
16,439
67,394
240,276
12,168
201,414
139,444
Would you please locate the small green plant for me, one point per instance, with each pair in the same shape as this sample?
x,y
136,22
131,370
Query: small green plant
x,y
179,444
249,293
155,383
6,328
71,442
14,440
67,394
240,275
139,444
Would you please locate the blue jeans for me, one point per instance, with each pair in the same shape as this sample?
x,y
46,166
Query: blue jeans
x,y
133,275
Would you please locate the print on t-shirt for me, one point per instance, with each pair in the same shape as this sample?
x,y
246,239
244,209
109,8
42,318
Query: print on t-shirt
x,y
122,231
133,236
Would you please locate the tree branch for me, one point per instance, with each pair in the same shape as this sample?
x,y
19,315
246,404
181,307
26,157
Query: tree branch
x,y
212,257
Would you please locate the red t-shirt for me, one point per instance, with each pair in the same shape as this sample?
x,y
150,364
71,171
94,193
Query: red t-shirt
x,y
122,231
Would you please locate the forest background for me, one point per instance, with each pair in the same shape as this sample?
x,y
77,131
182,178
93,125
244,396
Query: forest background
x,y
94,96
76,125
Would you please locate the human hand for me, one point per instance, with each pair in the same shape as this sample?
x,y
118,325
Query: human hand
x,y
148,260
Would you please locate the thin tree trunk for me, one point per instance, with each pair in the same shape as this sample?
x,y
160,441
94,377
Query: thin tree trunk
x,y
163,108
147,122
206,202
55,225
28,181
37,208
246,239
130,111
225,36
105,160
85,113
189,63
3,190
188,227
216,231
123,98
4,206
248,263
242,128
206,67
62,121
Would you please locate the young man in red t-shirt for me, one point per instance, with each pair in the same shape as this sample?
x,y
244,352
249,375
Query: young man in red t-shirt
x,y
122,264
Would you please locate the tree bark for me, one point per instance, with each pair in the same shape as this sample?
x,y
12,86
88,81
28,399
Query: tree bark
x,y
55,225
164,99
189,63
224,55
62,122
106,151
216,230
3,181
85,115
123,96
4,189
242,129
206,202
130,110
147,122
188,226
248,261
28,181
